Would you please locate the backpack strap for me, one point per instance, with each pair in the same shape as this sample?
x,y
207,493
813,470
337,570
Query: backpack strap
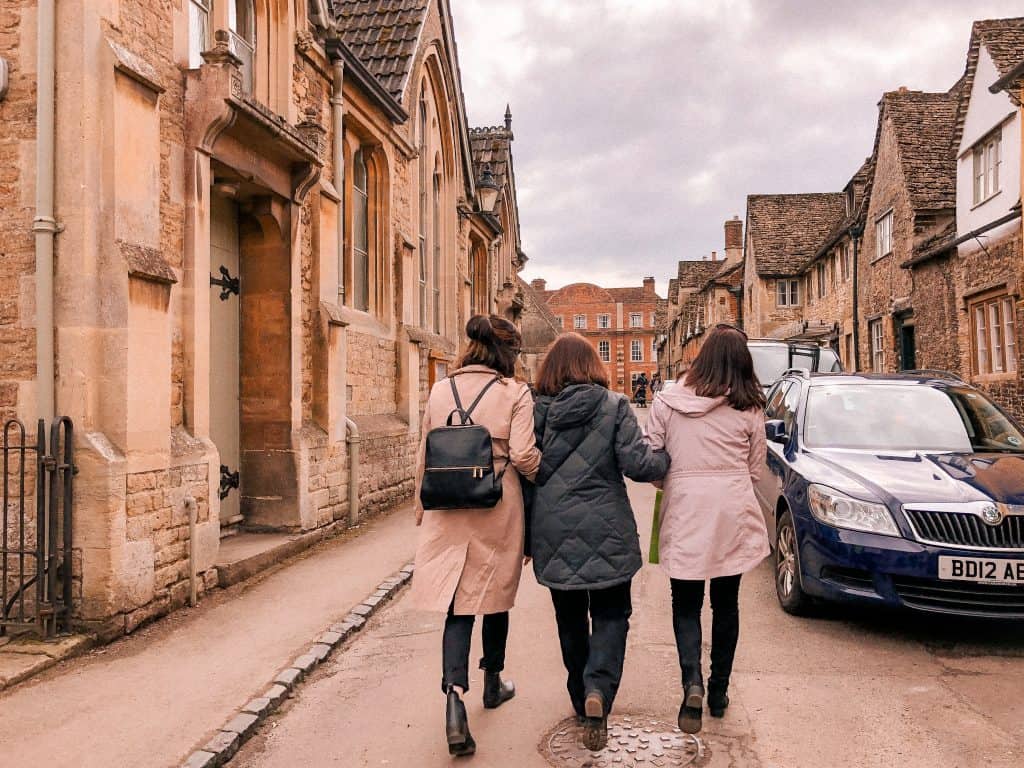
x,y
465,413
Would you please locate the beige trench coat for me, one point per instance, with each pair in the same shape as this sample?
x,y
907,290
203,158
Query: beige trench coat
x,y
476,555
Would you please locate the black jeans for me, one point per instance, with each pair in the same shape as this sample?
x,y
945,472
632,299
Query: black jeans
x,y
458,632
592,628
687,601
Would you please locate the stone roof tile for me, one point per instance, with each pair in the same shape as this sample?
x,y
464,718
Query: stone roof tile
x,y
786,230
694,273
924,124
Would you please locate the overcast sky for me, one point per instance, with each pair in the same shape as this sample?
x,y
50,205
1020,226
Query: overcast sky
x,y
642,125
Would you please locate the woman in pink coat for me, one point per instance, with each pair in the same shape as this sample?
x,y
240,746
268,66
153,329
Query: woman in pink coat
x,y
712,426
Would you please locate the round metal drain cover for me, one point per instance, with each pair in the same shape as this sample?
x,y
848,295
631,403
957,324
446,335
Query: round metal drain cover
x,y
633,742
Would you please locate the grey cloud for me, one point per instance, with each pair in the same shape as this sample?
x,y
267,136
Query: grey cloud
x,y
635,141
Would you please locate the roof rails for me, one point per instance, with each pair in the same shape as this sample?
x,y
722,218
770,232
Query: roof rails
x,y
804,372
934,373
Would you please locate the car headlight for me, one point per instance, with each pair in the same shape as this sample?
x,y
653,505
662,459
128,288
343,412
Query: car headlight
x,y
833,508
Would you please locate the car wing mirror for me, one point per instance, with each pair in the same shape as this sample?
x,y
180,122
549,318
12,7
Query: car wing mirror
x,y
775,431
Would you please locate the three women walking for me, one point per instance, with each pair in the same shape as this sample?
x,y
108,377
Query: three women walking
x,y
577,442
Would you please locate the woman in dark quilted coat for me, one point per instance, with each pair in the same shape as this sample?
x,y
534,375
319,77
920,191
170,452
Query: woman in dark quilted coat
x,y
584,539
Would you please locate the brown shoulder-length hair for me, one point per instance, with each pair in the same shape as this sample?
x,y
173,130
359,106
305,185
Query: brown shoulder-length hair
x,y
724,367
493,342
571,359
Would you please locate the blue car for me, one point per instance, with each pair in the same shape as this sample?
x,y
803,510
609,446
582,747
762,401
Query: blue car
x,y
894,490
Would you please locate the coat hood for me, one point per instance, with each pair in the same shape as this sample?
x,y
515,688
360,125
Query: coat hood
x,y
575,404
683,399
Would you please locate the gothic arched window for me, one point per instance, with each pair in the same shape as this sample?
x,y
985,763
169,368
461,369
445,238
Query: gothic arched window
x,y
361,232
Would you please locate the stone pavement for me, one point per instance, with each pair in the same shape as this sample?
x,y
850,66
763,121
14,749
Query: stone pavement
x,y
845,689
151,699
22,657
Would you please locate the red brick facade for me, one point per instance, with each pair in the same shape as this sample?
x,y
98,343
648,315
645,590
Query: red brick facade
x,y
619,322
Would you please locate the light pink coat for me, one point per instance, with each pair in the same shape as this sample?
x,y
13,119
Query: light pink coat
x,y
711,524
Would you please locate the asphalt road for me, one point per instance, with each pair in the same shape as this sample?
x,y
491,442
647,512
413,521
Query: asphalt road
x,y
843,689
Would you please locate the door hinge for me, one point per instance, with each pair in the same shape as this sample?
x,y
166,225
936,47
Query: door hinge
x,y
228,480
226,282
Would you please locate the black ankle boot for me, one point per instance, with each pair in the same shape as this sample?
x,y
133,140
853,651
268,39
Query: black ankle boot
x,y
460,742
497,692
718,699
692,708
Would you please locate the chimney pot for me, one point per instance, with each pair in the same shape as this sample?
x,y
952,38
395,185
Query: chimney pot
x,y
714,255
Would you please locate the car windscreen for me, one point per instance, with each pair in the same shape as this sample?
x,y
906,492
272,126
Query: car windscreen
x,y
773,360
907,418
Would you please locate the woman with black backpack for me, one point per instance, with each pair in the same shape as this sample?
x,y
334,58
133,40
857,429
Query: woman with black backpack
x,y
584,540
470,559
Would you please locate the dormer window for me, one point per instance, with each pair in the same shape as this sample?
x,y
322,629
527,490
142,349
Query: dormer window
x,y
987,157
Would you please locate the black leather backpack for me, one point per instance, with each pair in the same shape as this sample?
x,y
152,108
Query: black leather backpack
x,y
459,466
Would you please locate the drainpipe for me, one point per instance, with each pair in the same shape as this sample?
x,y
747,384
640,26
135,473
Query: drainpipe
x,y
856,231
44,225
190,507
352,440
337,121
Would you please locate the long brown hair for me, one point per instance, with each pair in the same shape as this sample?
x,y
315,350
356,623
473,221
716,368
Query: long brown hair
x,y
724,367
493,342
570,360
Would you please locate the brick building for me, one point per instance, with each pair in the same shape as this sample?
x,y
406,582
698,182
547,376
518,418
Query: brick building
x,y
314,160
621,323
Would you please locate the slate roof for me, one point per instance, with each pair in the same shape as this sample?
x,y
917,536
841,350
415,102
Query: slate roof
x,y
786,230
924,125
695,274
384,35
494,146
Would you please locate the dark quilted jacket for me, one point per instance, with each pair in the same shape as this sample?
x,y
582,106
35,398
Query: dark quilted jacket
x,y
584,533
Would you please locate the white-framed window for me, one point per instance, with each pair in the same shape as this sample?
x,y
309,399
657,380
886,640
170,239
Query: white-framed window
x,y
877,345
993,335
242,25
654,319
787,293
198,31
579,321
654,347
636,320
883,235
987,157
822,280
604,321
636,351
560,321
604,350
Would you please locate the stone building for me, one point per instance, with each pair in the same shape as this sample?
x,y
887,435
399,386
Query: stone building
x,y
621,323
783,233
539,328
913,199
270,222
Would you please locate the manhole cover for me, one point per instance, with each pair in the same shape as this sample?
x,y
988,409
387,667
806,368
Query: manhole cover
x,y
633,742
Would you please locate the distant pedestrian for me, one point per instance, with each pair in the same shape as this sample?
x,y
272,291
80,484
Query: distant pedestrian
x,y
711,525
584,540
469,561
640,390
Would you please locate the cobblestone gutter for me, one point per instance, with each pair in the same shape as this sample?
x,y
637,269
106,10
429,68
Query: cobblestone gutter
x,y
241,726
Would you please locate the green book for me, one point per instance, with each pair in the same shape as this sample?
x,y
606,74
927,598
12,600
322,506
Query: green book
x,y
656,530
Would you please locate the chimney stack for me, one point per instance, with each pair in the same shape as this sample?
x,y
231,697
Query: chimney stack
x,y
714,255
538,284
649,284
733,240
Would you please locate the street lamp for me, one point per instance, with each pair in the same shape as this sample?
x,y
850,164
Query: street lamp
x,y
487,189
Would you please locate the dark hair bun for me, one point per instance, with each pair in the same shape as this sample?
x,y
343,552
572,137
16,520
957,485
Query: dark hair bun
x,y
479,328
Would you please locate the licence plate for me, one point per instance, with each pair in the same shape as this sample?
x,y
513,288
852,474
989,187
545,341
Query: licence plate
x,y
981,569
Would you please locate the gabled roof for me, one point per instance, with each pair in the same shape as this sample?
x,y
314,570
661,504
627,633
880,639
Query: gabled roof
x,y
695,274
536,338
673,290
924,125
786,230
384,35
1004,39
492,146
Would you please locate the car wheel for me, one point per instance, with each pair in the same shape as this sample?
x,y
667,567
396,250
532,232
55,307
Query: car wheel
x,y
791,595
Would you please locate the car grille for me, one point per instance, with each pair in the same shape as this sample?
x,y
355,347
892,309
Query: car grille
x,y
967,530
967,598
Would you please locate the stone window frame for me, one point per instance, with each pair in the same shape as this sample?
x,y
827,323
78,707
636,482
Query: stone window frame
x,y
604,350
983,174
636,319
790,295
636,351
604,321
846,261
982,339
884,234
579,322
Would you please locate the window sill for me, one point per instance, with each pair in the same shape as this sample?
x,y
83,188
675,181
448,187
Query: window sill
x,y
993,378
883,256
987,199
